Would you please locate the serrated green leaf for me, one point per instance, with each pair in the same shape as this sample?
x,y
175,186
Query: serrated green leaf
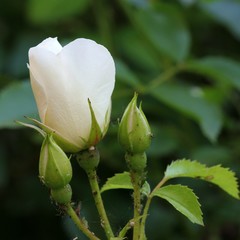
x,y
222,70
123,181
192,102
222,177
118,181
184,168
182,199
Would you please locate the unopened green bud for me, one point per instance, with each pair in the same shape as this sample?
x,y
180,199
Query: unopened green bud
x,y
62,195
55,169
136,162
88,159
134,132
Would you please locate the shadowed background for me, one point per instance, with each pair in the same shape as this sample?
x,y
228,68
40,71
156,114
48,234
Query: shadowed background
x,y
182,57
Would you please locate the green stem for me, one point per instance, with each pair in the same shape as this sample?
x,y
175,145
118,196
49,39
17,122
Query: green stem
x,y
89,160
136,182
93,180
79,223
146,209
163,77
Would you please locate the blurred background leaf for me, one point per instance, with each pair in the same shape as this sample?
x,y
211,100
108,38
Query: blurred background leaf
x,y
224,71
191,101
225,12
16,101
56,10
162,26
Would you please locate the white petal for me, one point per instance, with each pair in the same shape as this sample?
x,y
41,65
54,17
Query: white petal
x,y
92,73
48,74
40,96
51,44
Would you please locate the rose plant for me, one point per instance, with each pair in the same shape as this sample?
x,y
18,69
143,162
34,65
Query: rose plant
x,y
72,86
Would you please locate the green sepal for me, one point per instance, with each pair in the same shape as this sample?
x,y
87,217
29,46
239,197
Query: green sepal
x,y
62,195
64,143
96,133
39,130
107,120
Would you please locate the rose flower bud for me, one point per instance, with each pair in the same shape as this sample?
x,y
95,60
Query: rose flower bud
x,y
134,132
72,86
55,170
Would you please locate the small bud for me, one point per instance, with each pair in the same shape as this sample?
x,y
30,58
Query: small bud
x,y
55,169
62,195
134,132
136,162
88,159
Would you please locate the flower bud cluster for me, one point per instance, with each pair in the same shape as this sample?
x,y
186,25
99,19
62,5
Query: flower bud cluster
x,y
55,170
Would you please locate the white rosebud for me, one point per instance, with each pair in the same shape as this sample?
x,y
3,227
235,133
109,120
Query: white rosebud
x,y
72,86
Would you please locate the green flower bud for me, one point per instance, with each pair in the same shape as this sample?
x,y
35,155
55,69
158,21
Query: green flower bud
x,y
136,162
55,169
134,132
88,159
62,195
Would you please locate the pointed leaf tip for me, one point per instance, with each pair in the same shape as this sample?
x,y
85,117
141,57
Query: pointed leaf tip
x,y
118,181
182,199
123,181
